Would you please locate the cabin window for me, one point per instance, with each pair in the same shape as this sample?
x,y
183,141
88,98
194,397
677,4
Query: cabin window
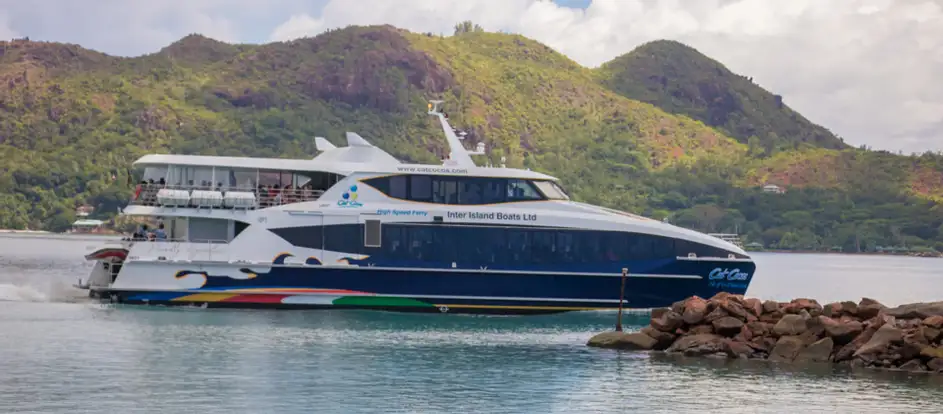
x,y
494,191
371,234
398,187
244,179
445,191
155,173
469,191
551,190
420,188
520,190
463,190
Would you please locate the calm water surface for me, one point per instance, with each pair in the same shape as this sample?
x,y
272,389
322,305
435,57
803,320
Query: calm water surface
x,y
62,354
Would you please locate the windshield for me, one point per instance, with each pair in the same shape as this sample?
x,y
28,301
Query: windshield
x,y
551,190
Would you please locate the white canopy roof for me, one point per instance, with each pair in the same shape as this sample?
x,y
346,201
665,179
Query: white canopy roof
x,y
358,156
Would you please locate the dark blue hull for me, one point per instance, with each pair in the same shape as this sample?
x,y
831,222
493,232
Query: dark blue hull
x,y
455,290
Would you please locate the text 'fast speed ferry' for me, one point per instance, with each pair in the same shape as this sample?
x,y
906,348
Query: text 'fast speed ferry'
x,y
356,228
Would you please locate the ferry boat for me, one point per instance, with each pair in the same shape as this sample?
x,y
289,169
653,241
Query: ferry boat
x,y
356,228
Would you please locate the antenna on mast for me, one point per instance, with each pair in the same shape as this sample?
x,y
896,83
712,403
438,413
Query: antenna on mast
x,y
458,155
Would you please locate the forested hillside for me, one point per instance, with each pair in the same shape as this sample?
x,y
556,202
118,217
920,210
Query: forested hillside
x,y
72,120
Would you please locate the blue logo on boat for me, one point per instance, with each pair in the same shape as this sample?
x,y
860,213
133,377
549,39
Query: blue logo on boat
x,y
349,198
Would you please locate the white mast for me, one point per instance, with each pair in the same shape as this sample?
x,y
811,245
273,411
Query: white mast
x,y
458,156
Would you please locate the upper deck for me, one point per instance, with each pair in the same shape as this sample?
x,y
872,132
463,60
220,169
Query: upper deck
x,y
250,183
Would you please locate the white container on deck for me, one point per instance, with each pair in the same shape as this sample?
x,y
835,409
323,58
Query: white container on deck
x,y
172,198
206,198
239,199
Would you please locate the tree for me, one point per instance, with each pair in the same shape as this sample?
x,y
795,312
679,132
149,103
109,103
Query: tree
x,y
467,27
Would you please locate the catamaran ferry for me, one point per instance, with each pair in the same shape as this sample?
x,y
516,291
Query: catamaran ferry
x,y
356,228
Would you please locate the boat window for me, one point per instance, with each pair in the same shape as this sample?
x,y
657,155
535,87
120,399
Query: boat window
x,y
155,173
371,233
398,186
244,179
469,191
551,190
420,188
444,191
520,190
494,191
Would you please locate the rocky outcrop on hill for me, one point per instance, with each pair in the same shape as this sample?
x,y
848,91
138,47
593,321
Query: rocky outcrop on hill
x,y
863,334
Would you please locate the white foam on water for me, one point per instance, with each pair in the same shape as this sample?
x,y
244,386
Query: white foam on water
x,y
54,292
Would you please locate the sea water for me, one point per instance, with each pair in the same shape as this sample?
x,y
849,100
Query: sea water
x,y
60,353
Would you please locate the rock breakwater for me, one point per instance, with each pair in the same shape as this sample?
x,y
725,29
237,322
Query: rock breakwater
x,y
862,334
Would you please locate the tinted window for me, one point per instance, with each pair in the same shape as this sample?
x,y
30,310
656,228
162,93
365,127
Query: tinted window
x,y
397,187
420,188
520,190
470,191
444,191
494,191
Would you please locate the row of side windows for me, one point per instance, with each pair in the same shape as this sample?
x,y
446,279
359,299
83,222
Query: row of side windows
x,y
455,190
490,246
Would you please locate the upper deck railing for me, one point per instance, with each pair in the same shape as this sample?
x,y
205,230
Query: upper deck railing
x,y
158,195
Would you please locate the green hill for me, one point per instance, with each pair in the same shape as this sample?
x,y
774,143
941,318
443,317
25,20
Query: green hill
x,y
681,80
73,120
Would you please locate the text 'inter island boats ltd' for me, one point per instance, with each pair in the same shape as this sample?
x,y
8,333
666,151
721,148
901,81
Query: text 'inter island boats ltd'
x,y
356,228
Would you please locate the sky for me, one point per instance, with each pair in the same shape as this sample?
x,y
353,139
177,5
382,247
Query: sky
x,y
869,70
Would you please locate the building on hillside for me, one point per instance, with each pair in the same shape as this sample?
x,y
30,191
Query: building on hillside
x,y
84,210
773,189
87,226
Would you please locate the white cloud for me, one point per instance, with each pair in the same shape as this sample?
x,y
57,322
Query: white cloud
x,y
867,69
6,33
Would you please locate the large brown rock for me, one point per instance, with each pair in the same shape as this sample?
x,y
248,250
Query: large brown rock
x,y
832,310
849,308
932,335
818,351
727,326
916,310
841,332
809,305
702,329
736,349
770,306
621,340
932,352
701,344
662,339
869,308
935,364
695,309
715,314
882,340
760,328
846,352
659,312
790,324
935,321
786,349
668,322
745,335
754,306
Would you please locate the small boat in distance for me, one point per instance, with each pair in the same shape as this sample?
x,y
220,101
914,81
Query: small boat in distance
x,y
356,228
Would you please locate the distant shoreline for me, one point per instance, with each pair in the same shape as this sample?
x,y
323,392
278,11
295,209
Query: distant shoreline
x,y
847,253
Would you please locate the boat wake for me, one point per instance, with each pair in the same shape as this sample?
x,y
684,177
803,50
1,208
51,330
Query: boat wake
x,y
53,293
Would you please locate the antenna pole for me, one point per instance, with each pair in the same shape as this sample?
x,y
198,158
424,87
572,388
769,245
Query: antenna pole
x,y
625,272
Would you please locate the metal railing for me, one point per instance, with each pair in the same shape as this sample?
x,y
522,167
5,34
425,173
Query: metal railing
x,y
147,195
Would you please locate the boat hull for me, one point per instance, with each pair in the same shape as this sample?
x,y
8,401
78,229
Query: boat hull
x,y
479,291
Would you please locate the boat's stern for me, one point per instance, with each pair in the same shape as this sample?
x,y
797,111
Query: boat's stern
x,y
108,261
